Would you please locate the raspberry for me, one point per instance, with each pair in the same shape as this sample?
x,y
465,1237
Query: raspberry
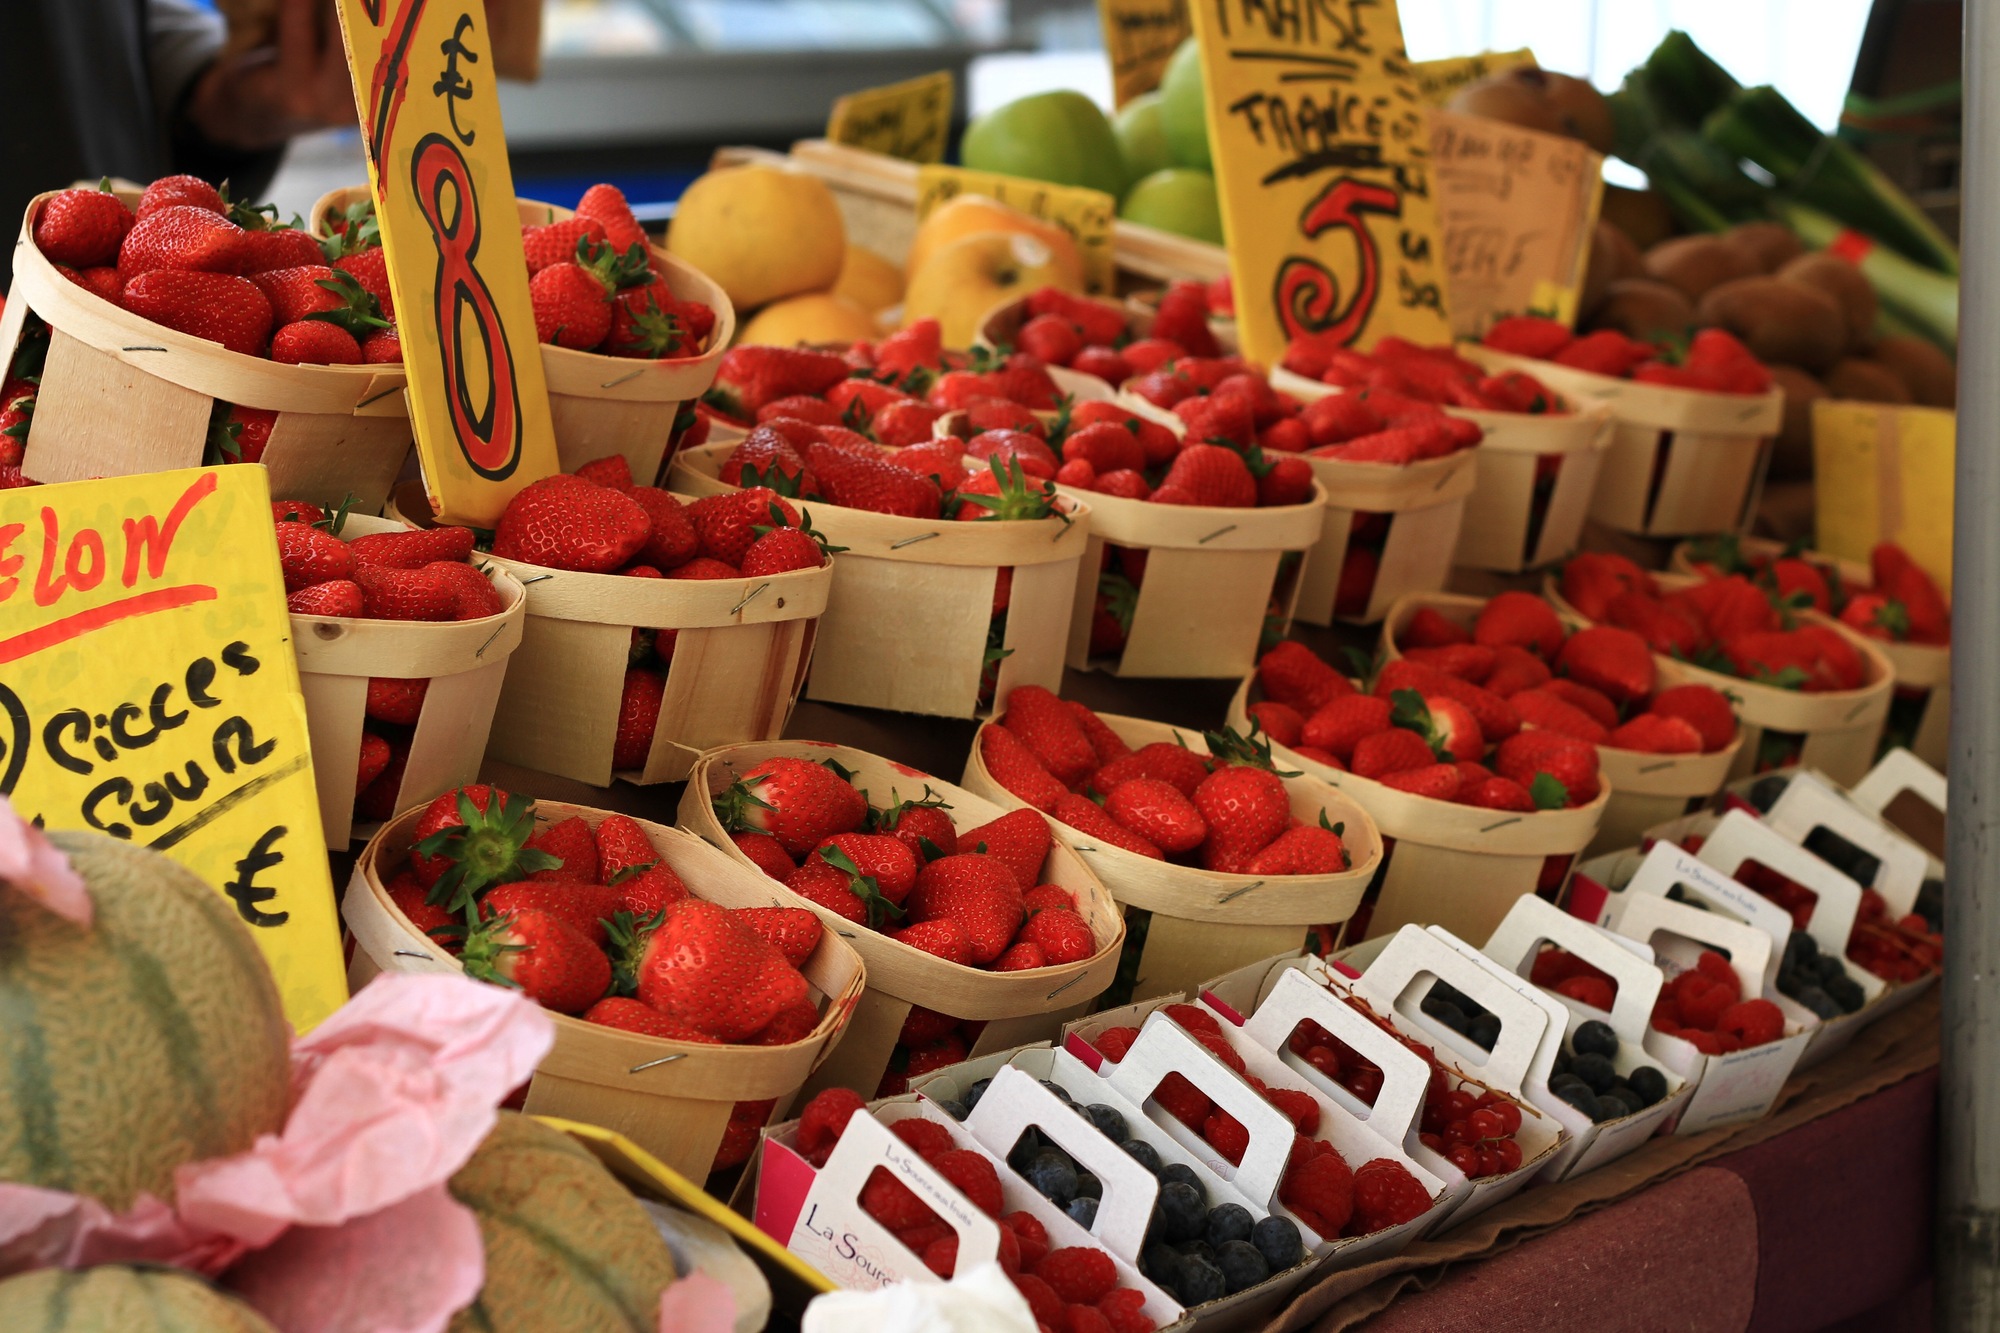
x,y
1183,1101
1226,1135
1043,1303
1752,1022
1387,1195
941,1256
1708,1043
1588,990
1716,968
1079,1274
1300,1106
1193,1017
1321,1191
921,1237
1113,1043
1033,1236
825,1116
1220,1049
1008,1256
1701,1001
1124,1309
1086,1319
890,1202
974,1176
927,1136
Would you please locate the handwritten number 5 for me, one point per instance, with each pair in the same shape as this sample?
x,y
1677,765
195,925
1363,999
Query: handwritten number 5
x,y
1307,294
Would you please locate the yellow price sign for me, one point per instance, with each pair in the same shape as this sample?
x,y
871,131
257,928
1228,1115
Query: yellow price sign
x,y
1885,474
1087,215
148,691
910,120
1140,37
1438,80
444,199
1322,157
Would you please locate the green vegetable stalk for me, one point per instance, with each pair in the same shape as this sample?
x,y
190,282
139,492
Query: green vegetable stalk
x,y
1687,84
1919,298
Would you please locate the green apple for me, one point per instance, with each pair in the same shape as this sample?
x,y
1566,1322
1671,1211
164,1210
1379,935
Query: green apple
x,y
1178,199
1142,137
1059,137
1182,111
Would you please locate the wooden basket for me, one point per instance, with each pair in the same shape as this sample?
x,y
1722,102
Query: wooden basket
x,y
1449,865
1646,789
905,627
739,658
1210,575
1018,1007
122,395
464,660
1203,921
603,405
1681,461
1923,670
1425,502
1840,729
672,1098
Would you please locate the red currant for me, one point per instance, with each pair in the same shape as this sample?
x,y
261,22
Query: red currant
x,y
1460,1131
1510,1118
1486,1123
1463,1156
1460,1104
1432,1141
1506,1153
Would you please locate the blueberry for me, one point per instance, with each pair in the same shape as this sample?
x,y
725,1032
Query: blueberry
x,y
1179,1213
1144,1153
1594,1038
1083,1212
1228,1222
1026,1149
1484,1031
1184,1174
1561,1065
1580,1096
1109,1123
1088,1186
975,1092
1930,903
1846,992
1062,1093
1596,1072
1620,1100
1649,1083
1851,861
1764,792
1053,1175
1830,967
1817,1000
956,1110
1242,1267
1445,1012
1201,1281
1197,1248
1161,1264
1800,950
1277,1239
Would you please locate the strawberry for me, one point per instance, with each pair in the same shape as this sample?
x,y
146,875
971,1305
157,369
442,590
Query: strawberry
x,y
1060,934
1615,662
1523,620
82,227
919,346
1706,710
316,291
1652,733
1444,724
1293,674
783,549
1428,629
574,849
406,594
102,282
1544,709
1595,703
1246,809
794,931
473,597
725,526
605,204
638,717
267,244
799,802
544,957
412,548
1344,722
313,343
1211,475
1049,729
334,597
374,757
1532,754
1497,794
382,348
1024,956
581,905
1667,627
309,555
905,423
1903,580
564,523
622,845
1529,335
1014,766
218,307
1019,840
1515,669
869,483
559,242
408,895
1008,447
1157,812
629,1015
1182,318
1306,850
750,377
881,857
791,1025
943,938
396,701
1590,580
764,852
170,190
670,537
923,820
1497,719
1394,751
1283,724
181,237
1170,763
708,969
472,837
370,268
831,879
572,307
977,891
1086,816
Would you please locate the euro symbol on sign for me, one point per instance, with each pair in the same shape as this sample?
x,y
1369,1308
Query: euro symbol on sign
x,y
244,889
451,84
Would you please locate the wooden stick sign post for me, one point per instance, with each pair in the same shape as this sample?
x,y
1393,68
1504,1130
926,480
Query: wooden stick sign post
x,y
148,691
1322,159
444,199
1140,37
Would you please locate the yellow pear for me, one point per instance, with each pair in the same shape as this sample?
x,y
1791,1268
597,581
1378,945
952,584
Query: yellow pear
x,y
961,283
968,214
816,317
868,280
761,232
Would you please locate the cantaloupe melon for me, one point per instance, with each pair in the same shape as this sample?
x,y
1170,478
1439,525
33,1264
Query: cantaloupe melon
x,y
120,1299
153,1038
566,1247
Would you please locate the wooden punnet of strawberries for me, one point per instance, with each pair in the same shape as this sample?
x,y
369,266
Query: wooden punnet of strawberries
x,y
1902,604
1714,361
1094,338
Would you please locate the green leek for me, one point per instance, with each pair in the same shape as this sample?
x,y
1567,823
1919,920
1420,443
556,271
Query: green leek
x,y
1920,298
1687,84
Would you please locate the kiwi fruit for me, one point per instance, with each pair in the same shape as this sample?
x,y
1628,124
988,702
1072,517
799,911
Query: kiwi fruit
x,y
1640,214
1769,245
1643,308
1930,375
1860,380
1792,453
1777,320
1612,257
1498,98
1580,108
1835,277
1697,263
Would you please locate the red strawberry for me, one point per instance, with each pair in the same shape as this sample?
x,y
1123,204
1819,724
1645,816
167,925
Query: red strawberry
x,y
406,594
750,377
1211,475
572,307
1595,703
397,701
1652,733
1428,629
541,954
1440,782
978,892
1174,764
557,242
82,227
1523,620
563,522
1615,662
1592,579
382,348
1540,708
1393,751
1306,850
638,717
711,971
765,853
1705,709
1293,674
1048,728
1344,722
670,540
310,555
573,845
880,857
1014,766
1088,817
1666,627
923,819
870,483
311,342
622,845
370,268
334,597
1497,794
1019,839
1157,812
781,550
170,190
1515,669
181,237
726,525
408,894
943,938
218,307
793,930
583,906
1246,809
412,548
799,802
1571,763
1497,719
374,758
1445,724
606,204
629,1015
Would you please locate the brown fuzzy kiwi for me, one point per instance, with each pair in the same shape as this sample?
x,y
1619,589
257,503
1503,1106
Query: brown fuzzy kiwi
x,y
1697,263
1777,320
1842,281
1643,308
1930,375
1792,453
1581,109
1612,257
1640,214
1860,380
1770,245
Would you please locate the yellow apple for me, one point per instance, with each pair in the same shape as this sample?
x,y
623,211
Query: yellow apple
x,y
868,280
969,214
816,317
762,233
961,283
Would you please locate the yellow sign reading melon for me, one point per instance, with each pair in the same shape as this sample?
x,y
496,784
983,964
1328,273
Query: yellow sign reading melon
x,y
1140,37
444,199
1087,215
910,120
148,691
1322,157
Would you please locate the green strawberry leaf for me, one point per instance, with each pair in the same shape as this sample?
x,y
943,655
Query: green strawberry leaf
x,y
1548,792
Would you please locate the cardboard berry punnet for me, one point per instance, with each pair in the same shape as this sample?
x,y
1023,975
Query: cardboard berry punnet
x,y
1906,795
1811,804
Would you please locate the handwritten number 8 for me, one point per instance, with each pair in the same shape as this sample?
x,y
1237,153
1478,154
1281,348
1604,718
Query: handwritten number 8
x,y
488,436
1307,294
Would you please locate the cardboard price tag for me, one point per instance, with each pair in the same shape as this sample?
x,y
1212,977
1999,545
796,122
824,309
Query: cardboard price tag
x,y
1438,80
444,199
148,691
1322,160
1140,37
1517,208
910,120
1085,214
1884,474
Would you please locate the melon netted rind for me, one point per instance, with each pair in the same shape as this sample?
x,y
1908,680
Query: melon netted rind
x,y
154,1037
117,1298
566,1246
